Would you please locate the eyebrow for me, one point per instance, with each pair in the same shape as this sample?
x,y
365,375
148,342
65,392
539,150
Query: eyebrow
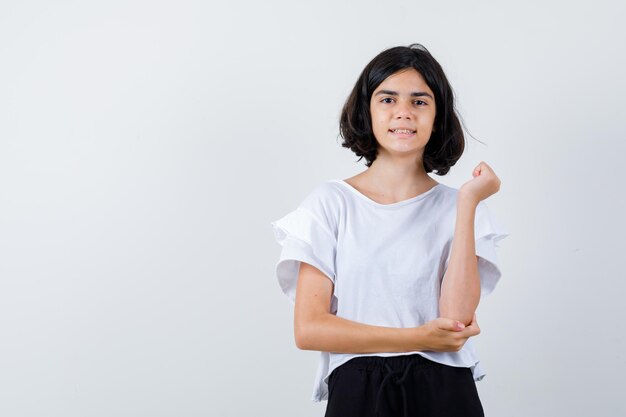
x,y
413,94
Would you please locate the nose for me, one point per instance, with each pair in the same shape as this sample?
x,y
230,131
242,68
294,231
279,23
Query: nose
x,y
403,111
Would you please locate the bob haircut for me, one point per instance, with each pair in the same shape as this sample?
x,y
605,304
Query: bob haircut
x,y
446,143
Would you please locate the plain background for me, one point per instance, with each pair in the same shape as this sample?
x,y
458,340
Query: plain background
x,y
145,147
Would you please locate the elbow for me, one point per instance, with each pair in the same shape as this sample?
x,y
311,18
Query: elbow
x,y
300,336
307,332
300,341
465,316
461,308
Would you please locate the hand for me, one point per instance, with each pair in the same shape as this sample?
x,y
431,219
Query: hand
x,y
484,184
445,335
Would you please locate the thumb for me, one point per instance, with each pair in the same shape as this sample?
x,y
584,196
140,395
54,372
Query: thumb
x,y
454,325
477,170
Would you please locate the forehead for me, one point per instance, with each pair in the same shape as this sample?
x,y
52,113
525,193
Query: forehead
x,y
404,81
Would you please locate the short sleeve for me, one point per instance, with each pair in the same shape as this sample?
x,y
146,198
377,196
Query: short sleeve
x,y
488,231
304,238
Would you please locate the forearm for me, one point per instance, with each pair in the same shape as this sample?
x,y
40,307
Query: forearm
x,y
330,333
460,289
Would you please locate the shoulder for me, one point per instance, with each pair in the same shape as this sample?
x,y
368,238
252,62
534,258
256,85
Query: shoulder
x,y
447,191
325,202
445,197
325,194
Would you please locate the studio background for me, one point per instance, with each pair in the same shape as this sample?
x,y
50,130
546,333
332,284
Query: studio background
x,y
146,146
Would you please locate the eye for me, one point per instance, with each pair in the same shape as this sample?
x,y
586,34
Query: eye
x,y
386,98
420,101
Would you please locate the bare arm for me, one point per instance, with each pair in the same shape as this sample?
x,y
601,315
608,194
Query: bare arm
x,y
460,289
330,333
315,328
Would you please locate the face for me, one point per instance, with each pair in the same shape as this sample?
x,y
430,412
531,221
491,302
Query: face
x,y
403,101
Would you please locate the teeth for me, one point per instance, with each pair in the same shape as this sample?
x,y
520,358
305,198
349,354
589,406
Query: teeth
x,y
402,131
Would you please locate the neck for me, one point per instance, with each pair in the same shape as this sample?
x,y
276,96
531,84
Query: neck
x,y
396,174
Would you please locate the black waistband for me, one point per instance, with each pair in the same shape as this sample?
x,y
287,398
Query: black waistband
x,y
397,362
396,368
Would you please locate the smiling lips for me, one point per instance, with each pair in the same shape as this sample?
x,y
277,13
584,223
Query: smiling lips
x,y
402,132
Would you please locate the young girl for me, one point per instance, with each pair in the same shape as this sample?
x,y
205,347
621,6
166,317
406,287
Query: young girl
x,y
386,268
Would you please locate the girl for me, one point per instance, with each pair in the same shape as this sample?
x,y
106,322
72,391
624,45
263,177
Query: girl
x,y
386,268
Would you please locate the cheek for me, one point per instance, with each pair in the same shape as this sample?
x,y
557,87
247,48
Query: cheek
x,y
377,124
431,122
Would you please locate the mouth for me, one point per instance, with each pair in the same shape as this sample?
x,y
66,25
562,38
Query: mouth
x,y
402,133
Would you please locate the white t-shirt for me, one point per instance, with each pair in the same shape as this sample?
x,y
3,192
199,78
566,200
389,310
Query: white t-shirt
x,y
386,261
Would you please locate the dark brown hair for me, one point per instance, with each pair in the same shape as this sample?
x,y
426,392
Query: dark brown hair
x,y
446,143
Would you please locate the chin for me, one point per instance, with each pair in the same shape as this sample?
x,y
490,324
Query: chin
x,y
406,150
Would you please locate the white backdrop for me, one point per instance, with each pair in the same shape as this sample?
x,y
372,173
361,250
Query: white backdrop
x,y
146,146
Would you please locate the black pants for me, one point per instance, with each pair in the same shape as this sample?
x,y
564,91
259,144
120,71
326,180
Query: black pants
x,y
401,386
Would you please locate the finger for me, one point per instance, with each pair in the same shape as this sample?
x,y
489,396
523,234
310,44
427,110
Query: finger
x,y
448,324
481,168
486,166
477,170
469,331
473,328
